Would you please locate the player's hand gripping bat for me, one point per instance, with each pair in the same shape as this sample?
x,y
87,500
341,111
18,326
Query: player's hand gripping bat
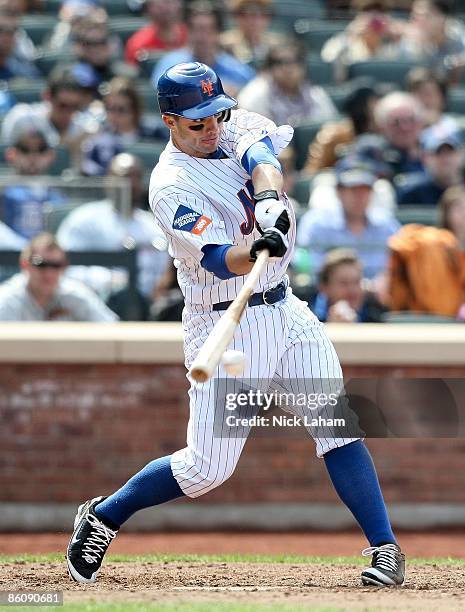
x,y
221,335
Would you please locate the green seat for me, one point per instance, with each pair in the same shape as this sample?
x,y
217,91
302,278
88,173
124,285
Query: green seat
x,y
415,317
456,100
303,136
314,33
302,188
47,60
116,7
338,94
424,215
149,98
38,27
148,61
27,90
149,153
51,7
125,27
386,71
320,72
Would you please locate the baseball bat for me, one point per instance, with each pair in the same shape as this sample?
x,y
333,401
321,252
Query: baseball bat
x,y
222,333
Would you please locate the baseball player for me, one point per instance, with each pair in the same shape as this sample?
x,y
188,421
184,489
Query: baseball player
x,y
217,194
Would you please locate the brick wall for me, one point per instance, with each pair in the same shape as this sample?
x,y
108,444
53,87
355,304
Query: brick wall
x,y
72,431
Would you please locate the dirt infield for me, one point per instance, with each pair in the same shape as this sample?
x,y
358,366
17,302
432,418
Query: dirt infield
x,y
295,585
298,585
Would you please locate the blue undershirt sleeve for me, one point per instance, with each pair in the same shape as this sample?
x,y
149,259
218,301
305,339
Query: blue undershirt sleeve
x,y
214,260
261,152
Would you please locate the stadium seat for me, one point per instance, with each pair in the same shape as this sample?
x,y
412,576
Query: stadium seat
x,y
27,90
415,317
47,60
386,71
456,100
51,7
125,27
39,27
302,188
424,215
320,72
315,33
147,93
338,94
148,152
116,7
303,136
147,62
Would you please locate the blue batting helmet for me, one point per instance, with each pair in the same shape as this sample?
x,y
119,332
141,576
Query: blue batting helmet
x,y
192,90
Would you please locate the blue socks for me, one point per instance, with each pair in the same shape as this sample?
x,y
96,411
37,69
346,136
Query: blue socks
x,y
354,477
153,485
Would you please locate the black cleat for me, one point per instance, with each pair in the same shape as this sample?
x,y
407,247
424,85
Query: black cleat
x,y
387,566
89,543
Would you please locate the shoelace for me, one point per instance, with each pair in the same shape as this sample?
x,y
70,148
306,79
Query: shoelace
x,y
387,556
98,541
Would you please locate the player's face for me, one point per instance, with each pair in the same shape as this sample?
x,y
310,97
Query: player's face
x,y
198,138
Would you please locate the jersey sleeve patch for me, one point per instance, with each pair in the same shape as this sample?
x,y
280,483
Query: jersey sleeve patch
x,y
188,220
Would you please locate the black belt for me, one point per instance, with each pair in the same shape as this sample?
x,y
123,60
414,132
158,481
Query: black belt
x,y
270,296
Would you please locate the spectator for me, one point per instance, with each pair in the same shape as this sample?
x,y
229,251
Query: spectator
x,y
341,297
399,118
334,137
430,89
40,292
12,66
443,158
350,226
102,226
165,32
24,49
58,115
434,36
23,204
251,39
204,23
71,15
372,34
94,48
452,213
283,92
124,126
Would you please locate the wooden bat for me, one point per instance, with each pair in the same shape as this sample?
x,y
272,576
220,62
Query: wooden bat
x,y
222,333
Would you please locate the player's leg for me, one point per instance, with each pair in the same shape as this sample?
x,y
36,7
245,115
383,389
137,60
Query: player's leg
x,y
311,359
210,457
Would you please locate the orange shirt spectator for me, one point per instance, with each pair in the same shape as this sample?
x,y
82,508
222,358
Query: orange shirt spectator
x,y
165,32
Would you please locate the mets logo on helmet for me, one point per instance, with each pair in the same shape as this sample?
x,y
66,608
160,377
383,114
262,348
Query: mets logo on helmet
x,y
207,86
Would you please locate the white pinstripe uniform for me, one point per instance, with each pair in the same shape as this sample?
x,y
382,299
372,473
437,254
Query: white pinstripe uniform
x,y
199,201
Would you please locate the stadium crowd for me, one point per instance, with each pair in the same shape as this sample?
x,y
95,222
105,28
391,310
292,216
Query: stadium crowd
x,y
375,90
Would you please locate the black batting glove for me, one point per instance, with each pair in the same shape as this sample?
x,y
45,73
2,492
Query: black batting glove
x,y
273,240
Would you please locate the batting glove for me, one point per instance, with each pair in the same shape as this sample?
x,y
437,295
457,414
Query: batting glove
x,y
270,212
273,240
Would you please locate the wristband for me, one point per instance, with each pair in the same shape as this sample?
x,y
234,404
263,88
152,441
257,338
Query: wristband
x,y
265,195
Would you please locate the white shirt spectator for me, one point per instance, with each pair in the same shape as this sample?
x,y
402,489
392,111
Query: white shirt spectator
x,y
72,301
99,226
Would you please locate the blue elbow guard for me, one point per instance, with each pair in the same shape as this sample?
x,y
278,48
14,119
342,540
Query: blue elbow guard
x,y
260,153
214,260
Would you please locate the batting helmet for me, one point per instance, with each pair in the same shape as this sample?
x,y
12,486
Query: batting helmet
x,y
192,90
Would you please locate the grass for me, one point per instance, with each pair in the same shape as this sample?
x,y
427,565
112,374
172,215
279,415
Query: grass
x,y
179,558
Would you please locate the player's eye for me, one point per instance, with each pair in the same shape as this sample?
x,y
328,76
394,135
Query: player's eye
x,y
198,127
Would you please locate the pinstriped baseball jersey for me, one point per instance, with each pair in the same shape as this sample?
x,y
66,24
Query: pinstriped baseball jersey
x,y
199,201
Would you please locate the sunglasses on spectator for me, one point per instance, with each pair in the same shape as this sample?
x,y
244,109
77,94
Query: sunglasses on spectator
x,y
67,106
400,121
39,262
95,43
31,150
118,109
199,126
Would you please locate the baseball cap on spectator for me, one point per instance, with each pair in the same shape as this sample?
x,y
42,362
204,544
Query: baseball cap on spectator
x,y
353,171
436,137
85,75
